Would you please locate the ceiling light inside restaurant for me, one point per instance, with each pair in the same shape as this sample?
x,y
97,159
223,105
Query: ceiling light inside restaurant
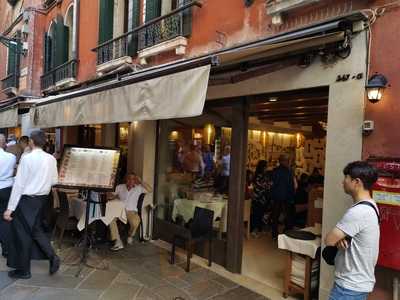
x,y
273,99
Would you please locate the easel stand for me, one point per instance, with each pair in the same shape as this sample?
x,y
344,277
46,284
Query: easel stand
x,y
86,241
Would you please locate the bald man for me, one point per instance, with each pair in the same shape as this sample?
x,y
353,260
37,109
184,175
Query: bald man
x,y
7,165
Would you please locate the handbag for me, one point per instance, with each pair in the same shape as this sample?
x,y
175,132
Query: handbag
x,y
329,252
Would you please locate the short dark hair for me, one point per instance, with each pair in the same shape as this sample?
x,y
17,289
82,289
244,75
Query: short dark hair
x,y
39,138
363,171
24,139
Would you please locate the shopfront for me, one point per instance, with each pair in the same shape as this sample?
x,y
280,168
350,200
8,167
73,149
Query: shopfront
x,y
232,117
227,125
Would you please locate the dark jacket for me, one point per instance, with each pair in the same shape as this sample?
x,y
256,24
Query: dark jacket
x,y
282,185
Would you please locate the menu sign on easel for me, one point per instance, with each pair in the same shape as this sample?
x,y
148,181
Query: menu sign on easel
x,y
88,167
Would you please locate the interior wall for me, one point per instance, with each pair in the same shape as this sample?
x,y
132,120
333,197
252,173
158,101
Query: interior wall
x,y
108,135
345,117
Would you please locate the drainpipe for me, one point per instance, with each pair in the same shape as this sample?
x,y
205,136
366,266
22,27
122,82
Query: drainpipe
x,y
396,288
75,33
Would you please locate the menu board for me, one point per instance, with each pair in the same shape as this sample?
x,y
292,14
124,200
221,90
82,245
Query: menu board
x,y
88,167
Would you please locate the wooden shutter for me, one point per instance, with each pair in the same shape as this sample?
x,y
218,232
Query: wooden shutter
x,y
134,15
66,43
45,53
61,48
12,59
153,9
106,21
186,19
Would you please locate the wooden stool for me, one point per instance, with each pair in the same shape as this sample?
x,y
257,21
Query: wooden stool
x,y
289,286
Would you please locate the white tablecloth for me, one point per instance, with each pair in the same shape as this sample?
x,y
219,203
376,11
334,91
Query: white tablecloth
x,y
186,208
308,248
114,209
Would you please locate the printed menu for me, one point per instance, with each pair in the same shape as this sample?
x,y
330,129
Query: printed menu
x,y
89,167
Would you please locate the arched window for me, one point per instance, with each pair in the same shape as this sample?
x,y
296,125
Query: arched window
x,y
69,23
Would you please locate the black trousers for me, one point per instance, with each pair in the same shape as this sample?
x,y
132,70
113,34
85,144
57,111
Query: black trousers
x,y
256,217
278,207
28,240
4,225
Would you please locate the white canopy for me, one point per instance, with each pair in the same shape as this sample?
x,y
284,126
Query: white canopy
x,y
9,117
177,95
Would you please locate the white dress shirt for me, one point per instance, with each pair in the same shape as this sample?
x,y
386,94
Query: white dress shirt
x,y
131,197
7,165
36,174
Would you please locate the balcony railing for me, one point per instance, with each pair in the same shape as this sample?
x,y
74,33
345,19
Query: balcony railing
x,y
114,49
11,81
158,30
58,74
163,30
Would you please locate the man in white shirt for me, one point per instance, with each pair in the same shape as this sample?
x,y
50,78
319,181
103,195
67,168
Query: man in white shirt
x,y
356,236
128,193
7,166
36,174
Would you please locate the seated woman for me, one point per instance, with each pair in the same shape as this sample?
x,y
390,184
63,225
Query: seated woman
x,y
129,193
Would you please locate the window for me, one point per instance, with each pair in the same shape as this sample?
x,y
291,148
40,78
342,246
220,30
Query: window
x,y
12,59
106,22
69,23
56,44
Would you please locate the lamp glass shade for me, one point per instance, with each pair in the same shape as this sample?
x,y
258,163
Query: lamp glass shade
x,y
375,94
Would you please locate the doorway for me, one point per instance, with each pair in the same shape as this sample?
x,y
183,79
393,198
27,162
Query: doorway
x,y
289,124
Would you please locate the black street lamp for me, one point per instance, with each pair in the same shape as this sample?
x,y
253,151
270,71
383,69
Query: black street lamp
x,y
375,87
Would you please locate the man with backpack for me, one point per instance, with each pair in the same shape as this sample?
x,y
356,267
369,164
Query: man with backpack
x,y
356,236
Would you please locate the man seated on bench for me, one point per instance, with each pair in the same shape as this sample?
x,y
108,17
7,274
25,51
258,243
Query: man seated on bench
x,y
129,193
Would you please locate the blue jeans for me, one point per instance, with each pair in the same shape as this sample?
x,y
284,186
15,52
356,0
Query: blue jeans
x,y
339,293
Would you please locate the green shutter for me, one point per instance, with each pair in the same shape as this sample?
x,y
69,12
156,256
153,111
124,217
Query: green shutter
x,y
61,48
12,59
153,9
186,19
134,16
66,43
106,21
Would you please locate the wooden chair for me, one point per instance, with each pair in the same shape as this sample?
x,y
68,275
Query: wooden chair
x,y
64,221
314,214
246,217
201,230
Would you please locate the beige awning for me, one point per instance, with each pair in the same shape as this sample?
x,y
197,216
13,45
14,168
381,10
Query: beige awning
x,y
9,117
272,49
177,95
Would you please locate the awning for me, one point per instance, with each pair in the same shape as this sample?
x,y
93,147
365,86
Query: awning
x,y
175,90
177,95
9,117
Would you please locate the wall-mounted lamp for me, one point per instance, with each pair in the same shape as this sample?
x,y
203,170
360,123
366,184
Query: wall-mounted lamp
x,y
375,87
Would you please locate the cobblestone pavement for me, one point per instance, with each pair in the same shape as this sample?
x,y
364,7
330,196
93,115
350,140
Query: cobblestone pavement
x,y
140,272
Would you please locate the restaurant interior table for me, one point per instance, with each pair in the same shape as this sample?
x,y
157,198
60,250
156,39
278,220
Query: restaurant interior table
x,y
302,269
186,208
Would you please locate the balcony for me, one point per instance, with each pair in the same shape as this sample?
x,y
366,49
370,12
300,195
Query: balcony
x,y
166,33
115,52
9,84
63,75
278,7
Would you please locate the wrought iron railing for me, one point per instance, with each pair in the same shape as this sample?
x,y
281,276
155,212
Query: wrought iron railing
x,y
11,81
64,71
161,29
114,49
165,29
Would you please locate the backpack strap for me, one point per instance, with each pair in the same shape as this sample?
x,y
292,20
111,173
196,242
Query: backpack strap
x,y
371,205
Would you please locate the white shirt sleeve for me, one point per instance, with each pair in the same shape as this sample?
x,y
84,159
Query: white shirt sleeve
x,y
54,172
19,184
352,222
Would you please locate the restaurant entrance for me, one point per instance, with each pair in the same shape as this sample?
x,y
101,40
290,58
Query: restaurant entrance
x,y
282,125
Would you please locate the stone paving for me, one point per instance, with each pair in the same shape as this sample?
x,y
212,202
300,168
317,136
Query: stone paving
x,y
139,272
